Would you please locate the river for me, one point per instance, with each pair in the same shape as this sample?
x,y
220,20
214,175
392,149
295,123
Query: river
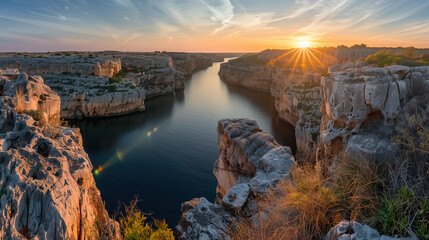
x,y
165,155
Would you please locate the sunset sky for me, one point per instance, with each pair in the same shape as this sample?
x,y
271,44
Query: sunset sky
x,y
209,25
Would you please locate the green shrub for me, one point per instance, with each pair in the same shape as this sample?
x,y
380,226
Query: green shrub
x,y
36,114
113,80
134,227
404,213
386,58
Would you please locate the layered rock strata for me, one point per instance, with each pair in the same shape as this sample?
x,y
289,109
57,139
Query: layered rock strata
x,y
188,63
250,162
63,64
92,96
47,190
364,107
297,96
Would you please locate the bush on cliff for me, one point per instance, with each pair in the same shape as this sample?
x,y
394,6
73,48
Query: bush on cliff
x,y
134,227
386,58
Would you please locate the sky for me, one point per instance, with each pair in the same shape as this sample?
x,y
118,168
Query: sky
x,y
209,25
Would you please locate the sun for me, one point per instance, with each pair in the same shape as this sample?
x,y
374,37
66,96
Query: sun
x,y
304,44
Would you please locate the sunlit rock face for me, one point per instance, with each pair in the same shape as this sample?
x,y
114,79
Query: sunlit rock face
x,y
250,162
92,96
47,190
189,63
255,77
364,107
161,81
66,64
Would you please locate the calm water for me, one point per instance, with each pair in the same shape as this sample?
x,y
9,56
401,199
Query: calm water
x,y
174,162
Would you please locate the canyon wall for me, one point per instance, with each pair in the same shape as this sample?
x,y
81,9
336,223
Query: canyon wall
x,y
84,85
63,64
364,107
250,162
188,63
47,190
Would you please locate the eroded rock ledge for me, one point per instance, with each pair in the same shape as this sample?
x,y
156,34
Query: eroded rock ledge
x,y
250,162
364,107
47,190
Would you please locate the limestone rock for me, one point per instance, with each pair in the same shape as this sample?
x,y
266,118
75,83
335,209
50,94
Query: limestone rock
x,y
253,76
56,65
249,154
250,162
203,220
354,230
358,100
47,190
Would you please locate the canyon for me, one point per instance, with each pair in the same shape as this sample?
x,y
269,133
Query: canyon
x,y
47,188
109,83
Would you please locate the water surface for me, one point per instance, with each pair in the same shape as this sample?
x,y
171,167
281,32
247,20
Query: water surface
x,y
165,155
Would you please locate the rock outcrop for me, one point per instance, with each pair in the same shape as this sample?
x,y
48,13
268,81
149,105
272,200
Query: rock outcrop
x,y
92,96
63,64
250,162
161,81
364,107
47,190
255,77
297,96
353,230
188,63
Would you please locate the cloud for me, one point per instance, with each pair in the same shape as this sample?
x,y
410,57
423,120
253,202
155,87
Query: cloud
x,y
125,3
126,18
61,17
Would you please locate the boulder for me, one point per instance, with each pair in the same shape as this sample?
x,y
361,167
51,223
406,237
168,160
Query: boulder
x,y
353,230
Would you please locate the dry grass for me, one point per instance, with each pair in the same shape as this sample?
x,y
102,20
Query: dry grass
x,y
311,204
20,99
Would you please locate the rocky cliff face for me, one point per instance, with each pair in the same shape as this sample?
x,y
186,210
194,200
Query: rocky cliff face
x,y
250,162
64,64
47,190
363,107
92,96
256,77
297,96
188,63
161,81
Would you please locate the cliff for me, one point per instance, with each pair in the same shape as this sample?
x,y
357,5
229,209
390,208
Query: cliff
x,y
249,163
256,77
85,88
47,190
92,96
364,107
63,64
188,63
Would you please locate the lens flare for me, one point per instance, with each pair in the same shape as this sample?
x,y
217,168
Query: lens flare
x,y
149,133
120,155
155,129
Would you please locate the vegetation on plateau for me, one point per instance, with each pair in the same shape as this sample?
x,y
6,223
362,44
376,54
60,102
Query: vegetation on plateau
x,y
407,57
